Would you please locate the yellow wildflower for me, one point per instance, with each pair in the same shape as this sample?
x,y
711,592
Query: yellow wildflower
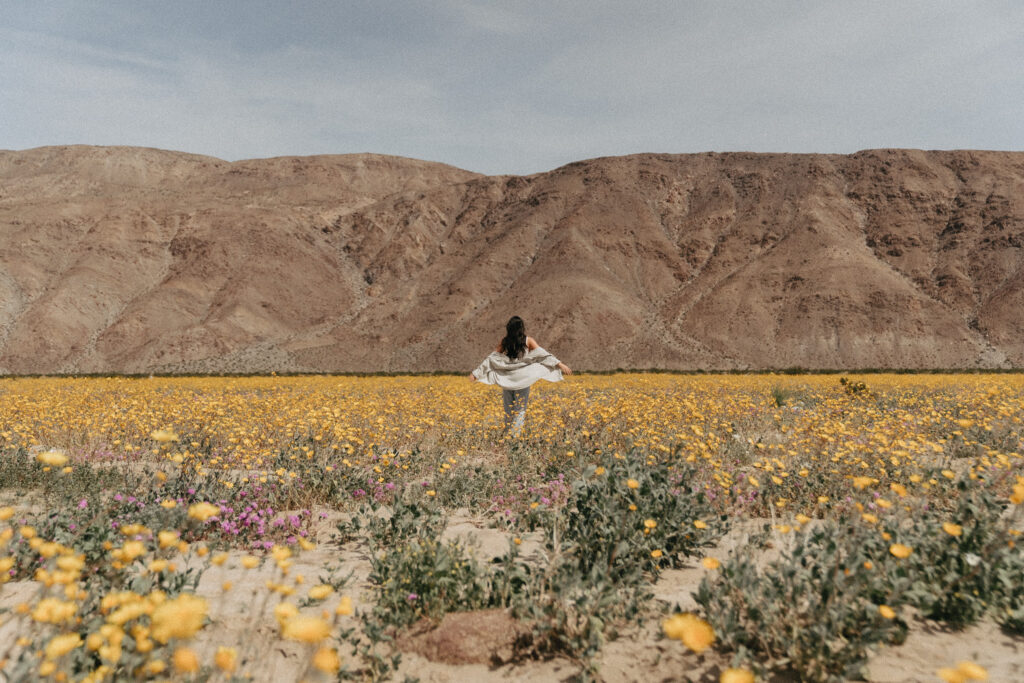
x,y
320,592
326,659
344,606
1018,494
93,642
952,529
54,611
71,563
736,676
901,551
693,631
62,644
167,538
974,672
53,458
203,511
155,667
163,435
226,658
178,618
130,551
185,661
306,629
284,611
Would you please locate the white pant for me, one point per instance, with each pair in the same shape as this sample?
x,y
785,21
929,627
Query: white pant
x,y
514,401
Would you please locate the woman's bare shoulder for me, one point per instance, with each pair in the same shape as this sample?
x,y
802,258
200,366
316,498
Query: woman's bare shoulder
x,y
531,343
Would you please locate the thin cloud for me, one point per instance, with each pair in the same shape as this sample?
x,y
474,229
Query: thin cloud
x,y
512,88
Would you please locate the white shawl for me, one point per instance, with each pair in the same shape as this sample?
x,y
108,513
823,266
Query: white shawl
x,y
499,369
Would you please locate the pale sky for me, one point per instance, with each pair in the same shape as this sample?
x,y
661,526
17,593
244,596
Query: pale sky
x,y
511,87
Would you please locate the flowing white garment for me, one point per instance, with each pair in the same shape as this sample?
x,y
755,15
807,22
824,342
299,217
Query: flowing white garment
x,y
499,369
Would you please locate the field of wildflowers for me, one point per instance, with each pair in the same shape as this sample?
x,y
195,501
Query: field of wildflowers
x,y
187,527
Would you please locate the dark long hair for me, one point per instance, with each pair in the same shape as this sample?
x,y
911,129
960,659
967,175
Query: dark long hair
x,y
514,343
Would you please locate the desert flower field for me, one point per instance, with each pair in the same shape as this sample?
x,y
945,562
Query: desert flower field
x,y
642,527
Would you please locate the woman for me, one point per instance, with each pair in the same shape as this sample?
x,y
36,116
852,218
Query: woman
x,y
518,362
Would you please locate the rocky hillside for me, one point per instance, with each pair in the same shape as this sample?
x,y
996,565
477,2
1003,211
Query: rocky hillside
x,y
140,260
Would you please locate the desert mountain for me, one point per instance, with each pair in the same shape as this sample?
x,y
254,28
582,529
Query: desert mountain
x,y
140,260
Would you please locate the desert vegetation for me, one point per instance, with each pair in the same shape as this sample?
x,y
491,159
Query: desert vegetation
x,y
191,527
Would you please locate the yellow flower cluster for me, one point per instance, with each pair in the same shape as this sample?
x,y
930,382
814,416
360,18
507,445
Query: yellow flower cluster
x,y
179,618
693,631
963,672
799,457
915,423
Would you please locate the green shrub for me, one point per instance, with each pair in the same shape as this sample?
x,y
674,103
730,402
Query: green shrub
x,y
955,578
425,577
389,527
637,514
854,388
816,609
623,521
780,396
808,612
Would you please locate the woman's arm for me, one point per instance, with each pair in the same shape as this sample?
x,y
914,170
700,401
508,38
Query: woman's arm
x,y
482,370
532,344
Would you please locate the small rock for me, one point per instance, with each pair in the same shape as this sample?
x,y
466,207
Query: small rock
x,y
480,637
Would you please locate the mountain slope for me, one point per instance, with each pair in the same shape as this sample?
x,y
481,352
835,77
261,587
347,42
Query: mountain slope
x,y
137,260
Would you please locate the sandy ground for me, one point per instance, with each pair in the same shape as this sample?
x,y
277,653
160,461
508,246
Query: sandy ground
x,y
243,617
